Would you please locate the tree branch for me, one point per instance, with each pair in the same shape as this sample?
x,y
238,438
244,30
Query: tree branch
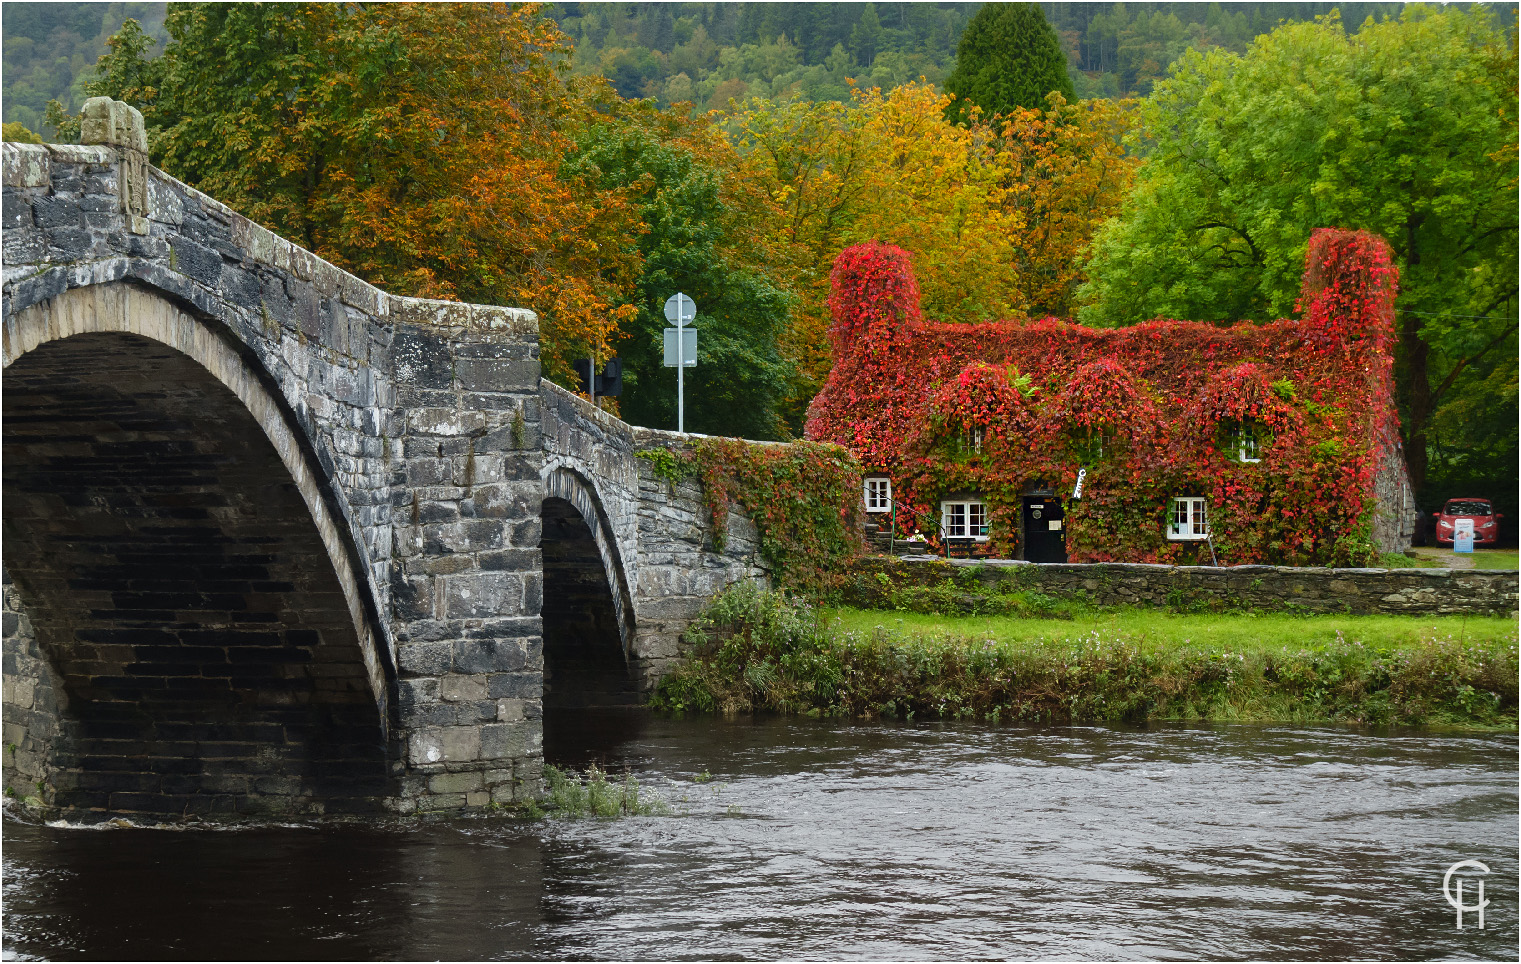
x,y
1441,389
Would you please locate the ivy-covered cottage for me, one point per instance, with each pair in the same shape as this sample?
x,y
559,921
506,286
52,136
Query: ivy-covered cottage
x,y
1169,441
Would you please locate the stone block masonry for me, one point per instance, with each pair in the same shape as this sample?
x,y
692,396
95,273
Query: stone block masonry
x,y
657,537
1416,592
278,542
312,422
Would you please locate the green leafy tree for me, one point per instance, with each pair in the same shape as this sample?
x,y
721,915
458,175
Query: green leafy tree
x,y
1009,57
866,36
697,239
18,132
1406,129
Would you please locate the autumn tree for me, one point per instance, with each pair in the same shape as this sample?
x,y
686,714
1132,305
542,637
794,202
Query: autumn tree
x,y
993,215
702,233
1407,129
419,145
1067,173
1008,57
812,159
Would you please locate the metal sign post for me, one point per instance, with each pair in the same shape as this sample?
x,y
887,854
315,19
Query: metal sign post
x,y
679,309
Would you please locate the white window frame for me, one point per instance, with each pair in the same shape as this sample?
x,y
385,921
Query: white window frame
x,y
1097,442
959,516
877,491
971,440
1245,443
1188,519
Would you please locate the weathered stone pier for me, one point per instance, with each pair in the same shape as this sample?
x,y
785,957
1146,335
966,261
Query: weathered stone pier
x,y
276,541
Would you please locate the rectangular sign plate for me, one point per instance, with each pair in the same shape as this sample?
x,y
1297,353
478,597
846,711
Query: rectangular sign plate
x,y
689,347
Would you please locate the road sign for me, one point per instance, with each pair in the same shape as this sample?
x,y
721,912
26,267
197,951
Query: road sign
x,y
680,349
688,347
680,310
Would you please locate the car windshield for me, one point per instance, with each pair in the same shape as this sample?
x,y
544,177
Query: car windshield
x,y
1467,507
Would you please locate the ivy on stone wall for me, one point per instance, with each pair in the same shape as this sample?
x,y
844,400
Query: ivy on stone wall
x,y
804,498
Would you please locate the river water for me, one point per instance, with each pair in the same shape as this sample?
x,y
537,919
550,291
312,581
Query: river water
x,y
811,839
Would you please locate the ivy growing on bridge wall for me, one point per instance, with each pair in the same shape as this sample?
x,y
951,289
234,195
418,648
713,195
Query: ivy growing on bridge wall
x,y
804,498
1153,412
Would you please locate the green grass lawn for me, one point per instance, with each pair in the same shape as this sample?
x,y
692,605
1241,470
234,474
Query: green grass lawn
x,y
756,650
1447,559
1496,559
1160,632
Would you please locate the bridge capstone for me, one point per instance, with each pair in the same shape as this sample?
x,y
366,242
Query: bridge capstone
x,y
272,536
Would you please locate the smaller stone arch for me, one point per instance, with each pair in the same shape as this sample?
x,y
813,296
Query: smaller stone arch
x,y
564,482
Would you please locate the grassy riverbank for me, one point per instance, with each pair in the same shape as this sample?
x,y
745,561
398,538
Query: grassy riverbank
x,y
760,651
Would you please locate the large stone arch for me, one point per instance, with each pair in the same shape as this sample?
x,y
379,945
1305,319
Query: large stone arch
x,y
125,416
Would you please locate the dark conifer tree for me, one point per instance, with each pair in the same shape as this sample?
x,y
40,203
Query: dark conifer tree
x,y
1008,57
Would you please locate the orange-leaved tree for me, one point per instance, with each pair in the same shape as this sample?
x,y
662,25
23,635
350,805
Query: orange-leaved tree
x,y
418,145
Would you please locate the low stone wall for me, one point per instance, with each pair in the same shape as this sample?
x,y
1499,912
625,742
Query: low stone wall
x,y
1267,588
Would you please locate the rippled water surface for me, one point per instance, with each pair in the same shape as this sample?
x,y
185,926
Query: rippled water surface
x,y
827,840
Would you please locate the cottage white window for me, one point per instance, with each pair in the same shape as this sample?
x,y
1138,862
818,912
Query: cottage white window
x,y
1189,521
1095,443
1243,442
965,519
971,440
879,494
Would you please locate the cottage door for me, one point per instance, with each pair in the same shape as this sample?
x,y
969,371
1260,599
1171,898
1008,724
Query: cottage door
x,y
1045,530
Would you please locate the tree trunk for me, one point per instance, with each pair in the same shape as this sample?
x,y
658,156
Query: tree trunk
x,y
1417,383
1417,393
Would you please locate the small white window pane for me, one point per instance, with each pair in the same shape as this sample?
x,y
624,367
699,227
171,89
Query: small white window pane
x,y
1189,519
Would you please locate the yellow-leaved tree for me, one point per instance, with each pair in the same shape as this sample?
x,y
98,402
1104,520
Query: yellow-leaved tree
x,y
996,214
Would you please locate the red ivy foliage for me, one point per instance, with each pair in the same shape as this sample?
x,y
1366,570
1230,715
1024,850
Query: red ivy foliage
x,y
1149,411
804,498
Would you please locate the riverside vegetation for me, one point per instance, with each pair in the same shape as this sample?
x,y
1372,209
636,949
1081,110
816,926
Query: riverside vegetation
x,y
758,650
593,794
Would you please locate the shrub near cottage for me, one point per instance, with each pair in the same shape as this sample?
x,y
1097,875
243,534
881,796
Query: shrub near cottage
x,y
1160,410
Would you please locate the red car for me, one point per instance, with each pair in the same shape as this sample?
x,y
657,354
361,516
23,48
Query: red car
x,y
1486,523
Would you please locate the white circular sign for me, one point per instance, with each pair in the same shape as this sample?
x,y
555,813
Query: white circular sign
x,y
679,309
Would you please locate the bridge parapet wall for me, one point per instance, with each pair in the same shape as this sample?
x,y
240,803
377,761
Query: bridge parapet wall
x,y
681,570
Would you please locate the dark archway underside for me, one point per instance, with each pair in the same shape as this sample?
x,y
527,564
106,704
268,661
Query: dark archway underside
x,y
584,663
204,653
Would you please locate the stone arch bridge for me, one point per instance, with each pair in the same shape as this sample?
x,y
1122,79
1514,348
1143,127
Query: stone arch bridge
x,y
276,541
